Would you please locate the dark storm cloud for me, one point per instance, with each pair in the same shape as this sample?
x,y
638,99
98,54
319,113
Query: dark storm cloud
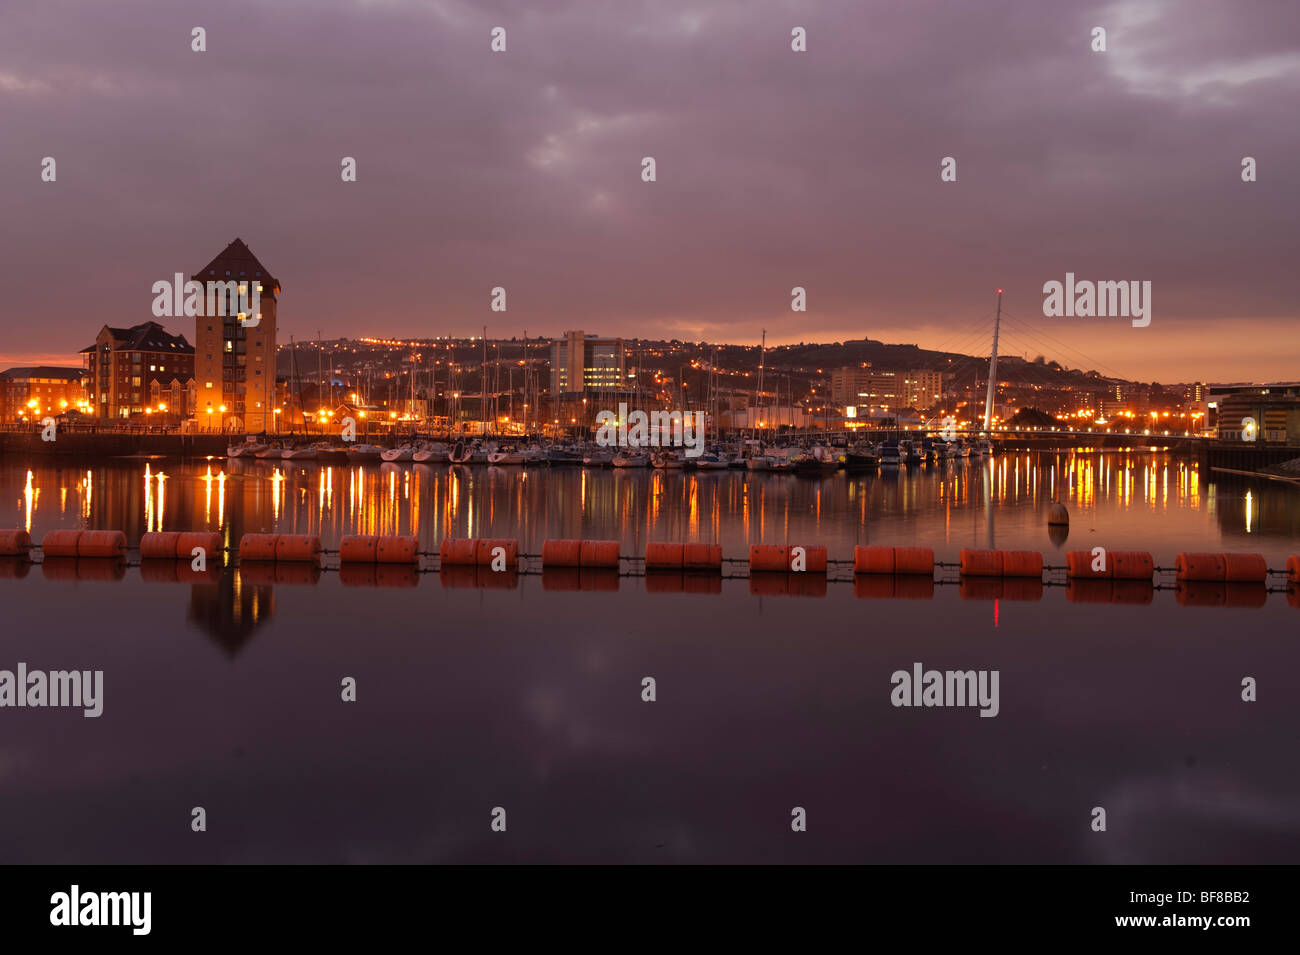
x,y
775,169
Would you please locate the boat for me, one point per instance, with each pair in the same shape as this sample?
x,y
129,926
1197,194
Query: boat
x,y
398,455
269,451
889,455
909,452
561,455
712,461
363,454
327,453
631,459
598,458
248,449
461,453
306,453
817,460
435,453
534,455
861,457
505,457
666,460
984,447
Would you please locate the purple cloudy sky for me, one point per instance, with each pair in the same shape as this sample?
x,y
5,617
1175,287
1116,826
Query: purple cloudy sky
x,y
775,169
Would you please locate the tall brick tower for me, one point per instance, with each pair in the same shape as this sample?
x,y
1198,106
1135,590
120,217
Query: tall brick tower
x,y
234,361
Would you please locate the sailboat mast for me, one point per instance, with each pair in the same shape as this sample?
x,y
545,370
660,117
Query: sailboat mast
x,y
993,367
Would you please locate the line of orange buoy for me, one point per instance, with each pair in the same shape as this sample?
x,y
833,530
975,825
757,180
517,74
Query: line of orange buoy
x,y
1096,576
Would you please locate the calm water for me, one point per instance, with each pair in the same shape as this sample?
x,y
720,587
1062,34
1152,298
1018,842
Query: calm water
x,y
224,693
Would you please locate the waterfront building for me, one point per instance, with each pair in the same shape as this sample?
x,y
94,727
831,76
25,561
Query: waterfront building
x,y
130,371
30,393
234,361
1259,415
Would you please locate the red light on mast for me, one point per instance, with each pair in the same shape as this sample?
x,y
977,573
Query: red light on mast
x,y
999,291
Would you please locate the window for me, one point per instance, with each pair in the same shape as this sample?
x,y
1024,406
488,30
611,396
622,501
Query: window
x,y
230,345
209,385
136,381
151,368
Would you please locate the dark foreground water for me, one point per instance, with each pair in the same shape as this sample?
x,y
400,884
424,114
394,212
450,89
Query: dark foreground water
x,y
225,693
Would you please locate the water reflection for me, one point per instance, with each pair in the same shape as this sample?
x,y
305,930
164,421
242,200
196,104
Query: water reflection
x,y
1158,499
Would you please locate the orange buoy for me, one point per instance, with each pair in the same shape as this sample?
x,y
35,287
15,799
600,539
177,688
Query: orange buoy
x,y
186,541
60,543
1293,568
561,553
486,550
599,554
981,563
101,544
1245,568
662,555
160,545
1131,564
456,551
873,560
259,547
297,547
357,549
915,560
397,550
814,558
1022,563
1079,565
15,543
702,557
767,558
1200,567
